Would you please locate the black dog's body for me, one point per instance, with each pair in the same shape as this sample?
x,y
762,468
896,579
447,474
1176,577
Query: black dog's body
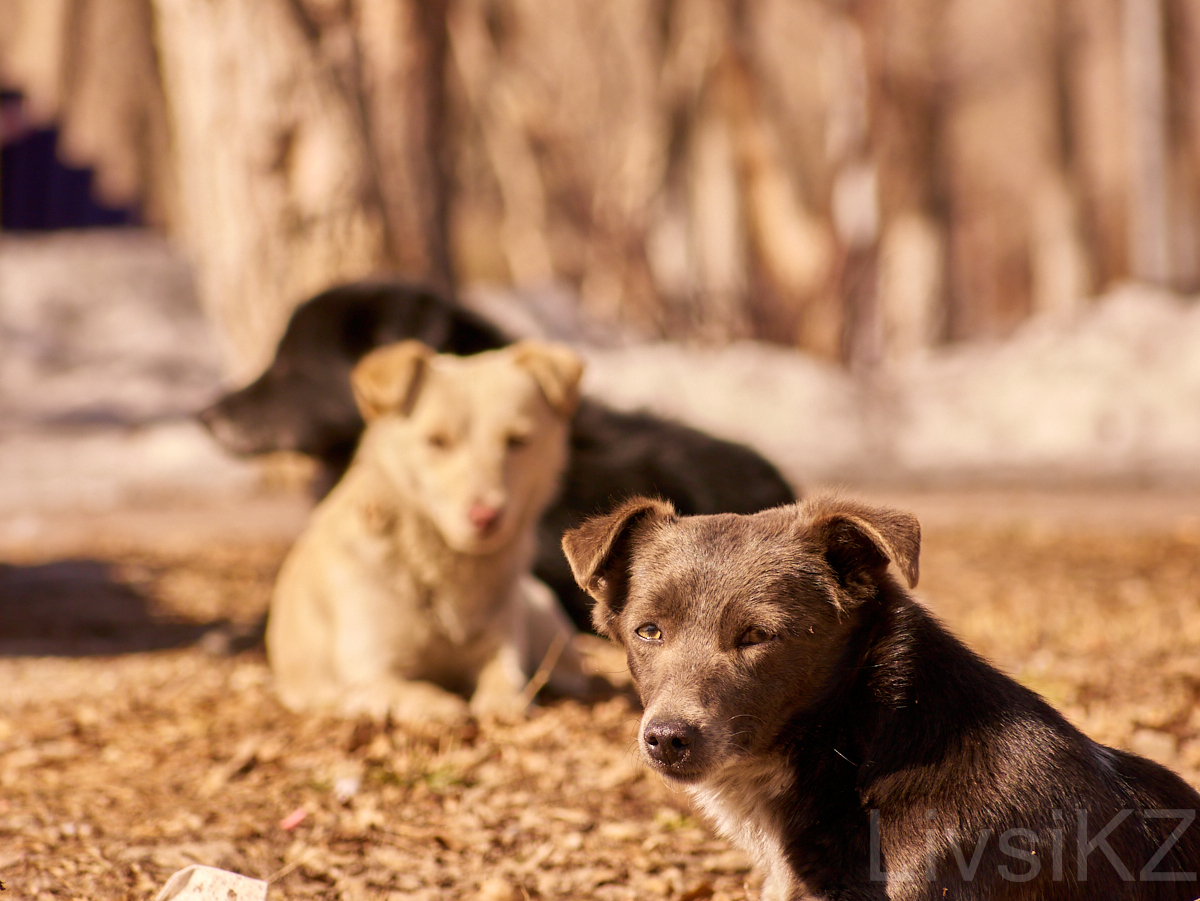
x,y
855,748
303,402
615,455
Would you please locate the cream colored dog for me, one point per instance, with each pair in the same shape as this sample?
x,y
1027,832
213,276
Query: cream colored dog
x,y
410,589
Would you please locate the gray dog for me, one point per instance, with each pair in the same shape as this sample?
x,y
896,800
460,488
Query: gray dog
x,y
837,732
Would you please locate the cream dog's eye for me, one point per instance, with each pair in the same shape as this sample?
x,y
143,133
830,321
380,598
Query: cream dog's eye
x,y
438,440
648,632
754,635
517,440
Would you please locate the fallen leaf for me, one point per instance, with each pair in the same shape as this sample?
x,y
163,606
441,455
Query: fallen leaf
x,y
293,819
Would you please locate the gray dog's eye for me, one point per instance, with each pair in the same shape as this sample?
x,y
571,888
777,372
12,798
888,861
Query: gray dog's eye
x,y
754,635
648,632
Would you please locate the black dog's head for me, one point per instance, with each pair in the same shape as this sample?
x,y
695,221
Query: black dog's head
x,y
303,401
733,624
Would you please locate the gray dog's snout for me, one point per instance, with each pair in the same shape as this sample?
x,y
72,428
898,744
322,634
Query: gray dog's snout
x,y
669,743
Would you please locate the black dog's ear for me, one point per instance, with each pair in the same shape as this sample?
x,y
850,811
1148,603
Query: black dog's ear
x,y
599,550
388,380
859,541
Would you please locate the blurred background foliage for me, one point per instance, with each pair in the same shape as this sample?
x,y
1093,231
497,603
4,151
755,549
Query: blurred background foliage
x,y
862,180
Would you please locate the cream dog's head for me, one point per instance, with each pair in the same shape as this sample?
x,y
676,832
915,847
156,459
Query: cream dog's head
x,y
477,443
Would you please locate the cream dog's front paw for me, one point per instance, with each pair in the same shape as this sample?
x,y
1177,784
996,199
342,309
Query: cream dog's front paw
x,y
406,702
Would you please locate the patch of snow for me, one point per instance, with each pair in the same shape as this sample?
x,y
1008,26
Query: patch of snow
x,y
806,416
104,356
100,326
1111,394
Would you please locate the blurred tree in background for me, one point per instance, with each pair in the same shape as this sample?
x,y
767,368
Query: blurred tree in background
x,y
861,179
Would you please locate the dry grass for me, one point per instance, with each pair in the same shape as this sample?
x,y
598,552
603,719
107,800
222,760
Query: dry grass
x,y
117,769
1104,623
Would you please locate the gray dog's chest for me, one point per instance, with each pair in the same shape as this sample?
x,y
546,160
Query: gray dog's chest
x,y
739,804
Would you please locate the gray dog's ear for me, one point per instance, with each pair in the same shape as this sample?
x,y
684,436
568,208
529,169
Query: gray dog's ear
x,y
557,370
388,380
599,550
859,541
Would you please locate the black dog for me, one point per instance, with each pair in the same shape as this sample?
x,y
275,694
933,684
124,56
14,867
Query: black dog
x,y
844,738
303,402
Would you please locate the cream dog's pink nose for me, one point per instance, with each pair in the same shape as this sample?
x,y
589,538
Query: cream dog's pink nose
x,y
483,517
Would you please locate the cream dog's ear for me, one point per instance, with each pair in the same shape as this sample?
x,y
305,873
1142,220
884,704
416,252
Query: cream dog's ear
x,y
557,369
388,380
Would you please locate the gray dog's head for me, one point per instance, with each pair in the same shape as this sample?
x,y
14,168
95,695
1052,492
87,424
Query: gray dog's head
x,y
732,624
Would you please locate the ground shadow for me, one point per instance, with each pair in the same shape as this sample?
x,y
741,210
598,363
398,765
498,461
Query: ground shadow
x,y
76,608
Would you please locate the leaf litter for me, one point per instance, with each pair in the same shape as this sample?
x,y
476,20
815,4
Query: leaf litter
x,y
118,767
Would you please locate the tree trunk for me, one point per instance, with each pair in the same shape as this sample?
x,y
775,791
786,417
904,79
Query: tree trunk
x,y
1183,31
1010,212
1098,139
397,81
901,50
303,137
858,180
1146,125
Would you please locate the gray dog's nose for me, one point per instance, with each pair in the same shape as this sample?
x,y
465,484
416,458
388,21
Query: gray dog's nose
x,y
669,743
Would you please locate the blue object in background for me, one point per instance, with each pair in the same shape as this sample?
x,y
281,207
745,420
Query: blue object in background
x,y
39,193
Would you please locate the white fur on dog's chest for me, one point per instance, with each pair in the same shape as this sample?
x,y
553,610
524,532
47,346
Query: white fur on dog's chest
x,y
738,803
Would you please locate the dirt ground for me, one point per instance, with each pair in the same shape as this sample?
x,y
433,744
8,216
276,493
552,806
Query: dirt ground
x,y
139,732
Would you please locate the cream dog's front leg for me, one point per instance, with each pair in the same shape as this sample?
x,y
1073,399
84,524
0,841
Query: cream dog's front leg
x,y
550,641
405,701
501,681
374,630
